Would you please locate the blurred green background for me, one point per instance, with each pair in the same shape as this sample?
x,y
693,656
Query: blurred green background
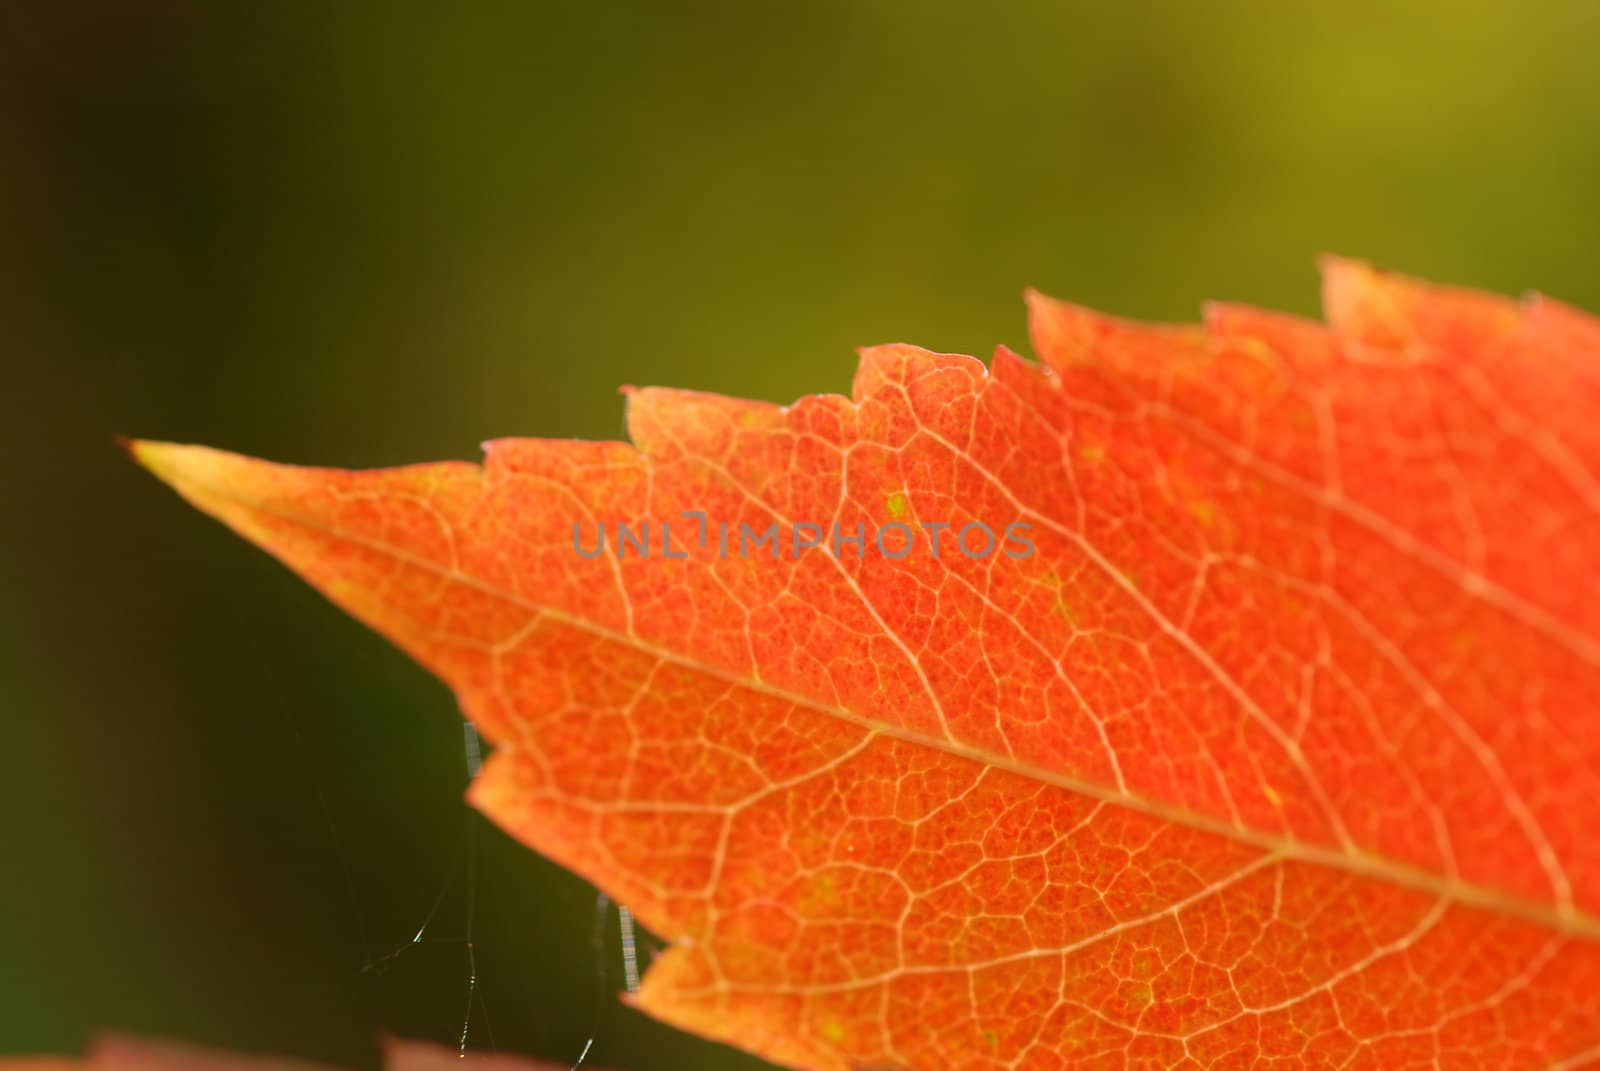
x,y
369,238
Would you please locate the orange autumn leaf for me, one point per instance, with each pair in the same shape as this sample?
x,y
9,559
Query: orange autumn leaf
x,y
1268,740
116,1053
402,1055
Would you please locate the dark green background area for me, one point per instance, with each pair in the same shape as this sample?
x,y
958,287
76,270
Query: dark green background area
x,y
369,239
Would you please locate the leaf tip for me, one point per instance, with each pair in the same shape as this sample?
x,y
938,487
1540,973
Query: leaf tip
x,y
189,470
1337,263
158,458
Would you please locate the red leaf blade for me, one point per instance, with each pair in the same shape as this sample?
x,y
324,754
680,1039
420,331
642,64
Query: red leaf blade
x,y
1279,744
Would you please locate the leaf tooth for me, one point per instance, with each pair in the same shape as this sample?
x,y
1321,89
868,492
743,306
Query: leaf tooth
x,y
1066,335
1374,311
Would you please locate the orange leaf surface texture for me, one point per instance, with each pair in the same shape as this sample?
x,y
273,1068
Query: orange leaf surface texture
x,y
1276,745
